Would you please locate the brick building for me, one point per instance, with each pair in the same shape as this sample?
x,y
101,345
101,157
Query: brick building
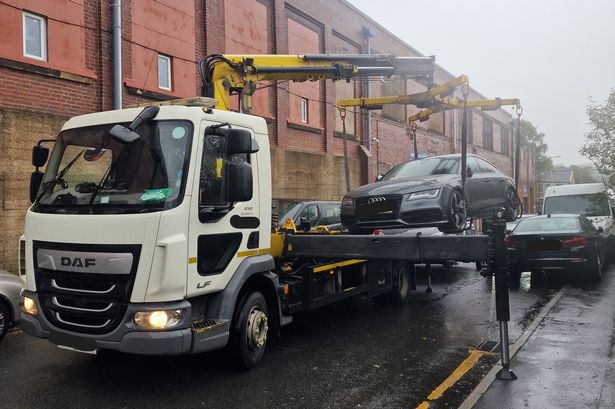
x,y
56,62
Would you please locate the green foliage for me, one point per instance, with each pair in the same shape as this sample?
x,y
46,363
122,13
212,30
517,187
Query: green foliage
x,y
599,144
534,141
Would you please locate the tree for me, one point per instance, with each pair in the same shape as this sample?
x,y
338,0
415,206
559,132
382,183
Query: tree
x,y
534,142
599,144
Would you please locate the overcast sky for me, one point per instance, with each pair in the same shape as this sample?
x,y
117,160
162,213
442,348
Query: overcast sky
x,y
552,54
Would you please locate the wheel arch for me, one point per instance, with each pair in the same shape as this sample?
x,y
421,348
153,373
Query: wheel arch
x,y
253,273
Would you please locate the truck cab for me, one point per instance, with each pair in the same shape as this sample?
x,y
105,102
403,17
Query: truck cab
x,y
127,240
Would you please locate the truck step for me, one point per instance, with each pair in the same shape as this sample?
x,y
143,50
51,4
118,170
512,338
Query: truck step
x,y
202,325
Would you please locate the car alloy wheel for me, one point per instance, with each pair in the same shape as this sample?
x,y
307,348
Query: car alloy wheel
x,y
458,210
4,320
512,205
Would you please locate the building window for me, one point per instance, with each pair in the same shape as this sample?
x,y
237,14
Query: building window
x,y
487,134
304,110
164,72
505,141
34,36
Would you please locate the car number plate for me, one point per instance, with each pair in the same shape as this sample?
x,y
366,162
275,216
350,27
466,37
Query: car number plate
x,y
544,245
79,344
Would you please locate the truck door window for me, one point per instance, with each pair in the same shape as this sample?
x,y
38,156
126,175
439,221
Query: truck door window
x,y
212,189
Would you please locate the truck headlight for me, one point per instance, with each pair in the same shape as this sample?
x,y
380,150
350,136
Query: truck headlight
x,y
29,306
424,194
348,201
157,319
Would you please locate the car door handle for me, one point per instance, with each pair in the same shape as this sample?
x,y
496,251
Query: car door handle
x,y
487,180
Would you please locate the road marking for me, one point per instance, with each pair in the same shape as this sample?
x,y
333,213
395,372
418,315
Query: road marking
x,y
452,379
482,387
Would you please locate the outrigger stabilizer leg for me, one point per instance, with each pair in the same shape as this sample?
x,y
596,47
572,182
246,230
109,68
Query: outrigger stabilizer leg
x,y
428,271
502,303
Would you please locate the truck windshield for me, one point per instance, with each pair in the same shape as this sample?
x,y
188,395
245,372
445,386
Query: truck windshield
x,y
591,205
90,172
424,167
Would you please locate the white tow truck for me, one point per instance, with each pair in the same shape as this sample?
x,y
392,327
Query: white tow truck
x,y
150,233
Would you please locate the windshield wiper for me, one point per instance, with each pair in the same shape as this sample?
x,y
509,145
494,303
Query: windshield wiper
x,y
59,176
100,184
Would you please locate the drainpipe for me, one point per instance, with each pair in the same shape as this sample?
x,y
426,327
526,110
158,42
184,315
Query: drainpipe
x,y
116,6
367,35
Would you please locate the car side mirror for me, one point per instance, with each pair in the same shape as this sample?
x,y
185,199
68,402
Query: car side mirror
x,y
40,154
379,178
239,180
469,172
600,229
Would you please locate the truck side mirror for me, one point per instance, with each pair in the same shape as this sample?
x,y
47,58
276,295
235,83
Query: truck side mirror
x,y
39,155
239,141
36,178
239,181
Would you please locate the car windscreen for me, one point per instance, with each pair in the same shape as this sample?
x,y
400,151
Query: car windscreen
x,y
594,204
290,213
424,167
548,224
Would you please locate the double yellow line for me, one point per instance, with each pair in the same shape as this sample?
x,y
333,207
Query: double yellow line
x,y
452,379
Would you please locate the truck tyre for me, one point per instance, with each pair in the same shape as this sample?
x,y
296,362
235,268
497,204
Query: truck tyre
x,y
4,320
249,332
401,286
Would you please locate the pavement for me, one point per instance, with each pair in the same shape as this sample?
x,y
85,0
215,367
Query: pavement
x,y
566,359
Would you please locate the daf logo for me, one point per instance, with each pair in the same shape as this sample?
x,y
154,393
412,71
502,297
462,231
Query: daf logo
x,y
77,262
376,199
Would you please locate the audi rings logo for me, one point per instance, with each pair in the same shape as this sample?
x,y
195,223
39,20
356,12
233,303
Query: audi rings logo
x,y
376,199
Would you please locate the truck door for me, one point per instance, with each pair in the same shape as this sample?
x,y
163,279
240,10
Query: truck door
x,y
221,234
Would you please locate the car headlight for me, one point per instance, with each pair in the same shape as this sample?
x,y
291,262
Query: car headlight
x,y
29,306
424,194
157,319
348,201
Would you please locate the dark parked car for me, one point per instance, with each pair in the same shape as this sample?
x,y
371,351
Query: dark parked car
x,y
556,244
428,192
316,213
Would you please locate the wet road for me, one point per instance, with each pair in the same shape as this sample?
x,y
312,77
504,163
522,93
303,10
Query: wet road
x,y
353,354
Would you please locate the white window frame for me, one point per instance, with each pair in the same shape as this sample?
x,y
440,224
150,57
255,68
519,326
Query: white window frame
x,y
304,110
169,72
43,36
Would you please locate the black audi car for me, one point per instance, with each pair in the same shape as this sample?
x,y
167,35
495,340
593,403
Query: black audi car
x,y
556,244
428,193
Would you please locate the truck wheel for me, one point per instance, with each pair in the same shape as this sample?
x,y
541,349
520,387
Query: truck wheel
x,y
249,335
401,286
4,320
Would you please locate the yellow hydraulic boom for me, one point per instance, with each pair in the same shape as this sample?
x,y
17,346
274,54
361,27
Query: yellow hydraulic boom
x,y
224,75
454,103
432,97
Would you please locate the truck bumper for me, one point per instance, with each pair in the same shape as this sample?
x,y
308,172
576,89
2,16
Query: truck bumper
x,y
126,338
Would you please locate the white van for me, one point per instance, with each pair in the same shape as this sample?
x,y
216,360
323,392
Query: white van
x,y
593,200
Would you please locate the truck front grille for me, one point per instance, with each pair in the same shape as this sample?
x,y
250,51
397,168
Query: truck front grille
x,y
93,303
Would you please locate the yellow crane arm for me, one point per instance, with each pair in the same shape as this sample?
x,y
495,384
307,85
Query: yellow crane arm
x,y
224,75
433,96
454,103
